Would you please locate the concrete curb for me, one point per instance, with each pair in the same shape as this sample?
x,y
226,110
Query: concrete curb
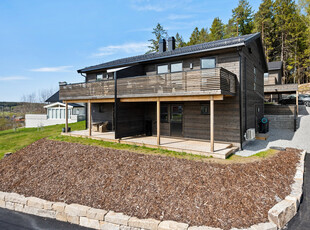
x,y
90,217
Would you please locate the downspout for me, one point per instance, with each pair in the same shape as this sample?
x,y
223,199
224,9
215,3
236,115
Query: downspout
x,y
86,107
240,97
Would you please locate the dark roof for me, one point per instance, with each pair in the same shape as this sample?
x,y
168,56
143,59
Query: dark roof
x,y
275,65
54,98
208,46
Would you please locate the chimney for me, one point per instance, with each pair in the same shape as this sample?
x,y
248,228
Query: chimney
x,y
162,45
171,43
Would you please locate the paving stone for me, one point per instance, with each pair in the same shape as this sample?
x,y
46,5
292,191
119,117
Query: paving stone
x,y
35,202
19,207
2,195
282,213
108,226
10,205
203,228
150,224
59,206
116,218
48,205
172,225
61,216
89,223
15,198
73,219
76,210
96,214
264,226
2,204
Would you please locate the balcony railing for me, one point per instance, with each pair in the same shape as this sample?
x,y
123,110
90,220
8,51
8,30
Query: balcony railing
x,y
214,81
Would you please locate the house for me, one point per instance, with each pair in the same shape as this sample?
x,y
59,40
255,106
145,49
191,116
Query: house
x,y
212,91
274,83
55,113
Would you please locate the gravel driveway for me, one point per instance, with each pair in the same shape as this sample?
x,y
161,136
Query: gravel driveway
x,y
284,137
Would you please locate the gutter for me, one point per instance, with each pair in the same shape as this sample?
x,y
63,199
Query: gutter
x,y
240,97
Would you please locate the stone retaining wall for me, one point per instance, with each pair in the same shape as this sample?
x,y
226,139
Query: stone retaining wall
x,y
281,121
90,217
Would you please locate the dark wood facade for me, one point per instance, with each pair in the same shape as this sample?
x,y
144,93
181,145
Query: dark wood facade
x,y
138,86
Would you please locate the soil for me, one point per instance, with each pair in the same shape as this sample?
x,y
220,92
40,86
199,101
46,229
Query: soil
x,y
149,186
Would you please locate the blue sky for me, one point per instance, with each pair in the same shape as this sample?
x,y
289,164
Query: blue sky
x,y
44,42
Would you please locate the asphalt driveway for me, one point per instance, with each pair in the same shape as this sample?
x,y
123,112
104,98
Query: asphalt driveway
x,y
10,220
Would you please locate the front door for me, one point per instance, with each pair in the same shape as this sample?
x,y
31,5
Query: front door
x,y
176,120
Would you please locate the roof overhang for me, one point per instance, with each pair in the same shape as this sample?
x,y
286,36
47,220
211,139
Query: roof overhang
x,y
58,104
285,88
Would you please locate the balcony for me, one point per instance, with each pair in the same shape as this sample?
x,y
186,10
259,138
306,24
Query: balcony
x,y
216,81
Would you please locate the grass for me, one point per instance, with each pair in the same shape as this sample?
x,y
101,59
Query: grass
x,y
11,141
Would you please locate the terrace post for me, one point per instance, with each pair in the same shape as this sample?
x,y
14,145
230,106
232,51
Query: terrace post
x,y
66,126
89,118
212,124
297,103
158,121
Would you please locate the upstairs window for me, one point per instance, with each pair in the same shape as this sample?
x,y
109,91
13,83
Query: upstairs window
x,y
176,67
99,77
162,69
208,63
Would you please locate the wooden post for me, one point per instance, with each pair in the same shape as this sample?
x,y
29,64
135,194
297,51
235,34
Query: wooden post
x,y
296,102
89,118
158,121
66,126
212,124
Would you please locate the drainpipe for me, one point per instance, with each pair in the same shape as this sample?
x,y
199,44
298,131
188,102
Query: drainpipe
x,y
86,107
240,97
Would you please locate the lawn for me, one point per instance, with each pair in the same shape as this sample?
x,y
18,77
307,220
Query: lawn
x,y
11,141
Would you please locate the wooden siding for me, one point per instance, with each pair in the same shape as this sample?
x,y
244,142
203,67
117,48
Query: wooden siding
x,y
102,112
214,81
286,88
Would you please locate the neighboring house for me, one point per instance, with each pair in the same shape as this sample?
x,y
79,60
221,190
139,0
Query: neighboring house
x,y
55,113
274,89
212,91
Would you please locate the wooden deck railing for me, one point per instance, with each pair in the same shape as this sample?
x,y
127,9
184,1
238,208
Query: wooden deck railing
x,y
214,81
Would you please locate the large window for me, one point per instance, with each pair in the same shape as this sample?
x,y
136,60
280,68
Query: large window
x,y
162,69
99,77
208,63
164,113
176,67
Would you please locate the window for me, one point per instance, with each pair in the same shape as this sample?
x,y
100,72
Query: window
x,y
164,114
205,109
99,77
176,67
266,75
162,69
207,63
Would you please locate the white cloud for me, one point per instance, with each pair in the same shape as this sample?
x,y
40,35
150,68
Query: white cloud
x,y
179,16
53,69
159,6
127,48
13,78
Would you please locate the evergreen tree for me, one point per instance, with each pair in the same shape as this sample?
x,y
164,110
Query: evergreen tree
x,y
179,42
243,17
159,33
203,36
230,29
217,30
194,38
264,23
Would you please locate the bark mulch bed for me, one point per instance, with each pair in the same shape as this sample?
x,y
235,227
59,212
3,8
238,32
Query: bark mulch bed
x,y
149,186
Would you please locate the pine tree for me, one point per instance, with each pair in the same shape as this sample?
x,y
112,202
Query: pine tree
x,y
194,38
159,33
179,42
264,23
203,36
230,29
243,17
217,30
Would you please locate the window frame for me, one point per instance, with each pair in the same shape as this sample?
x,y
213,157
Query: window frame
x,y
97,76
168,70
173,63
208,109
212,57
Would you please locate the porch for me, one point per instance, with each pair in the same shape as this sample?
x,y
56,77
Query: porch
x,y
199,147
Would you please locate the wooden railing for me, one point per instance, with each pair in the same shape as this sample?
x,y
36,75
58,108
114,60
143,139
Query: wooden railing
x,y
214,81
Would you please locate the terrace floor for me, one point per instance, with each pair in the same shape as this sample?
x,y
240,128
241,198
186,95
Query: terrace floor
x,y
193,146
